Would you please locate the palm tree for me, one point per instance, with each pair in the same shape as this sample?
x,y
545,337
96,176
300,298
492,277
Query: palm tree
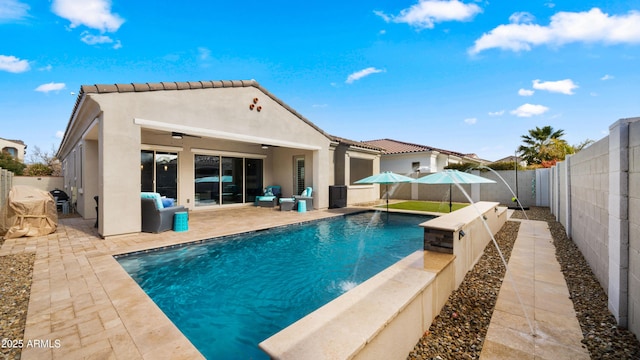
x,y
539,145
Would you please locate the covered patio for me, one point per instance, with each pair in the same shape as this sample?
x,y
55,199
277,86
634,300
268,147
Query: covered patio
x,y
207,144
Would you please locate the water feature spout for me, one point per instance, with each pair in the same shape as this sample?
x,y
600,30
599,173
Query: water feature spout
x,y
504,261
509,187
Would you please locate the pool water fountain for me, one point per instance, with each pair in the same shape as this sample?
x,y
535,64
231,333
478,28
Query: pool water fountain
x,y
504,262
347,285
509,187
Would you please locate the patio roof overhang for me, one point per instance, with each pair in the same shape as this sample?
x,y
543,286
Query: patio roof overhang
x,y
210,133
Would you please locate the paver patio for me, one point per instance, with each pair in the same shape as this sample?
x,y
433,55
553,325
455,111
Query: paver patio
x,y
83,298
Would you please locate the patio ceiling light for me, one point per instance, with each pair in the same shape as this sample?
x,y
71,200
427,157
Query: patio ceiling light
x,y
264,146
176,135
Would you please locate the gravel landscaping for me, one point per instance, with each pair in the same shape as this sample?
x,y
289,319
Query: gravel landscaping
x,y
458,331
15,287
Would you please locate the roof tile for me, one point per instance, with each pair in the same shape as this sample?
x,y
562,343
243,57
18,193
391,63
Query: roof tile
x,y
140,87
169,85
106,88
125,87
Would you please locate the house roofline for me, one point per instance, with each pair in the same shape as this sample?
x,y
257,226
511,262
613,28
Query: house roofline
x,y
194,85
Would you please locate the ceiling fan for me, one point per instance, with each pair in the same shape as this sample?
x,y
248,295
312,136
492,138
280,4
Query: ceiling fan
x,y
179,135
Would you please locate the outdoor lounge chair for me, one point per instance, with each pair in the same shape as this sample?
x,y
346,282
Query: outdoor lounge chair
x,y
270,197
155,216
287,204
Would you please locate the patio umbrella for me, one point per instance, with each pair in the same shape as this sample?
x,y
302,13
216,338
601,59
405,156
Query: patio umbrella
x,y
452,177
385,178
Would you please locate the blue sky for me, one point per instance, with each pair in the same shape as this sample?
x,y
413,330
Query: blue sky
x,y
467,76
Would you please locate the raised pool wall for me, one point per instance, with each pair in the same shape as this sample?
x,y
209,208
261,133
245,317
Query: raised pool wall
x,y
385,316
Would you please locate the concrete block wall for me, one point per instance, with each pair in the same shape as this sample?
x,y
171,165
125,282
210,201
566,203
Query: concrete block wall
x,y
589,206
634,227
595,194
500,192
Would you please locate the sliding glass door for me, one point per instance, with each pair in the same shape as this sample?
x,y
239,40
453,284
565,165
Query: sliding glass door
x,y
226,180
207,180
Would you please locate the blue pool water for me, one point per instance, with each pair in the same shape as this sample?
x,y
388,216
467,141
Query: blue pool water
x,y
229,294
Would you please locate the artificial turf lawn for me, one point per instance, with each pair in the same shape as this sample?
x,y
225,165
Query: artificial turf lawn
x,y
431,206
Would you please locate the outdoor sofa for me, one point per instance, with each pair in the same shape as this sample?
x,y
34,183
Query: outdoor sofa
x,y
156,217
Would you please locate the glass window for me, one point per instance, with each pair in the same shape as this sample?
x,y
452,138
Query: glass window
x,y
146,169
360,169
207,180
167,174
159,173
232,180
299,185
11,151
253,179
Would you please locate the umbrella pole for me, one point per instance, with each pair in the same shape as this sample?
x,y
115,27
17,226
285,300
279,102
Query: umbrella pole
x,y
387,186
450,206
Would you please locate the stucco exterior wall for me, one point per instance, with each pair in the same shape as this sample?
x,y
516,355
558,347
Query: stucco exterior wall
x,y
46,183
101,148
589,206
14,146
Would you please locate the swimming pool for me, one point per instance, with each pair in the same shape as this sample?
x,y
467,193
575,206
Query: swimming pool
x,y
228,294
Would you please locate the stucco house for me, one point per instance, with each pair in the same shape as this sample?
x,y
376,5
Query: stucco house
x,y
208,144
15,148
414,159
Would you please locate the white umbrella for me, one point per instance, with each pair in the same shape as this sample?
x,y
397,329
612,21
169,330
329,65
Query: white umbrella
x,y
452,177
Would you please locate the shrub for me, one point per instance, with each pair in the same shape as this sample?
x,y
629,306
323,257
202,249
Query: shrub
x,y
9,163
38,169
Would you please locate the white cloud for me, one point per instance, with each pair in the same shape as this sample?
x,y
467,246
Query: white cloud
x,y
91,39
13,64
471,121
565,86
362,73
94,14
521,18
607,77
59,134
565,27
13,10
46,68
496,113
426,13
45,88
529,110
117,45
525,92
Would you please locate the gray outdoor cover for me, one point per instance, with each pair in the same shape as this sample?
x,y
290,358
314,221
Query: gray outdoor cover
x,y
28,212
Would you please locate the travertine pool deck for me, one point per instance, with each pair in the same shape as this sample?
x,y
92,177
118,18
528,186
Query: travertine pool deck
x,y
543,291
82,297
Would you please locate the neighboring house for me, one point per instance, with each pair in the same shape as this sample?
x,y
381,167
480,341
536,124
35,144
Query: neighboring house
x,y
408,159
512,159
15,148
208,144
